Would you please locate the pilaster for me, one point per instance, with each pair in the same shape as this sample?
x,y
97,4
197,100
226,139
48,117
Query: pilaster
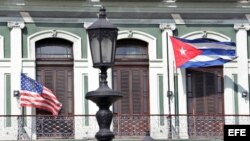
x,y
242,62
167,30
1,47
168,63
16,60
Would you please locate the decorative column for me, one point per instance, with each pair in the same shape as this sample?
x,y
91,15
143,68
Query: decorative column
x,y
242,64
16,61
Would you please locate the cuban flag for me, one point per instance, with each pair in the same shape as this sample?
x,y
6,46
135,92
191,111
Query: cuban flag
x,y
202,52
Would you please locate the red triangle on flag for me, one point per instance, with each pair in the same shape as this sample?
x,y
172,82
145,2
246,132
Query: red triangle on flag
x,y
183,52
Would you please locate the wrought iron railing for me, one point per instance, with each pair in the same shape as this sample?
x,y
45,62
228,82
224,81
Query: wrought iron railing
x,y
31,127
55,127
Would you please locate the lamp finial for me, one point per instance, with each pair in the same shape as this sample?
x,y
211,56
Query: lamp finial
x,y
102,12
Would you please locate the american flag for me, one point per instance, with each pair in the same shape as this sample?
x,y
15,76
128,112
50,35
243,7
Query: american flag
x,y
34,94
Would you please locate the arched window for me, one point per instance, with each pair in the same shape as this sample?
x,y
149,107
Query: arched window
x,y
54,48
131,49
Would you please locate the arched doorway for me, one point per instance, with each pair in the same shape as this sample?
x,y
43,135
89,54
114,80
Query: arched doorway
x,y
131,77
204,93
54,69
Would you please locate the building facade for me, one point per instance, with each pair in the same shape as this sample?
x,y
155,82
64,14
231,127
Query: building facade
x,y
48,41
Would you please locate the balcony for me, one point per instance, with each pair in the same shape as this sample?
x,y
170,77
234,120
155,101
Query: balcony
x,y
161,127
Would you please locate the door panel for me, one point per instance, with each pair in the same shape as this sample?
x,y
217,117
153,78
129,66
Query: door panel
x,y
133,108
205,100
59,80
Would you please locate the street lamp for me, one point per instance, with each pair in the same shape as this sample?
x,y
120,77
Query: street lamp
x,y
102,40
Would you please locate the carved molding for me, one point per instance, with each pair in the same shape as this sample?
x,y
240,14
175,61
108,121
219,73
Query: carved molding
x,y
207,34
32,39
165,26
130,34
242,27
204,34
16,24
54,33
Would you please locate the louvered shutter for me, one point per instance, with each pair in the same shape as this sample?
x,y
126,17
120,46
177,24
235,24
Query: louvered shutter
x,y
199,93
60,81
205,89
125,102
136,92
133,84
205,97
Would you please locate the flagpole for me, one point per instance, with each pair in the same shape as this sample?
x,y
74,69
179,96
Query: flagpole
x,y
22,120
22,132
169,93
22,117
22,113
22,108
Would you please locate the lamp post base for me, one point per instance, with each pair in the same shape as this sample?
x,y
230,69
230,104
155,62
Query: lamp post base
x,y
104,118
104,135
104,97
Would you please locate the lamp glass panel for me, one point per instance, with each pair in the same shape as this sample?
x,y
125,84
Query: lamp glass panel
x,y
114,50
95,49
106,50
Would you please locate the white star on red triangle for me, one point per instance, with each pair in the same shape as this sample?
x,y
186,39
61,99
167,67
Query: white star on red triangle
x,y
182,51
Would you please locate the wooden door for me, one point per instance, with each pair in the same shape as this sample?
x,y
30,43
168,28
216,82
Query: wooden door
x,y
54,69
59,79
133,108
131,78
205,91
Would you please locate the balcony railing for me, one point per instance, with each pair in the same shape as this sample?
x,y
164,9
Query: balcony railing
x,y
130,126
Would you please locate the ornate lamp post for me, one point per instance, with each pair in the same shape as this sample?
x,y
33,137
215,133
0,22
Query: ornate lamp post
x,y
102,37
